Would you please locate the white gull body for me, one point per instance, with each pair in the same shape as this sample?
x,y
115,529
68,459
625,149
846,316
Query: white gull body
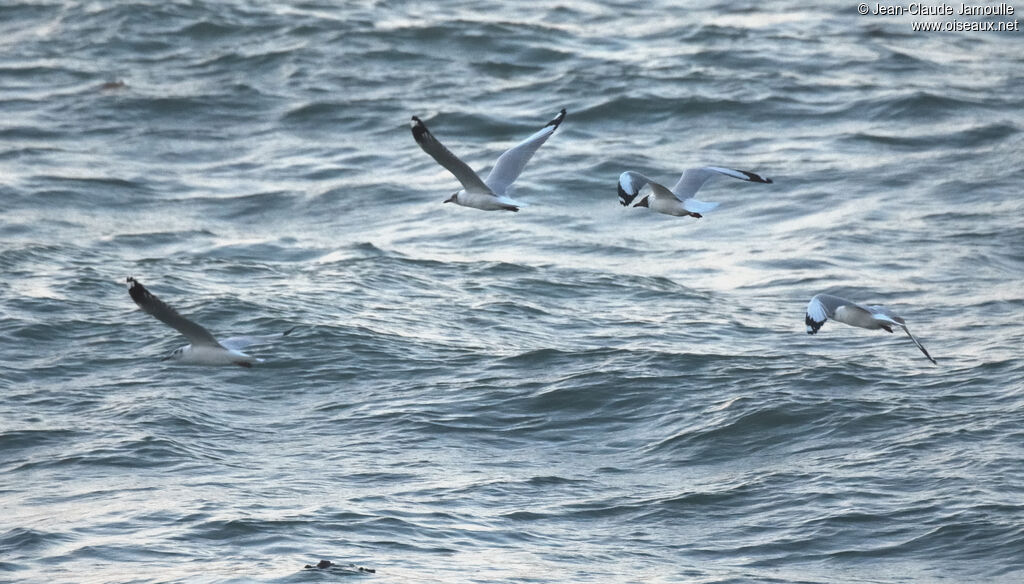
x,y
678,200
204,348
825,306
488,194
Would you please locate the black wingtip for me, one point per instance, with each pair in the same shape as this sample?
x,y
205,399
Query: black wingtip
x,y
136,289
557,120
626,198
138,292
419,129
754,177
812,325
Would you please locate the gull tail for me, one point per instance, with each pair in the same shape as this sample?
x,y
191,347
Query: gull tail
x,y
695,206
508,204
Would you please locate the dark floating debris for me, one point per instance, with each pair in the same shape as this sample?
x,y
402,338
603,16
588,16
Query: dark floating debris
x,y
325,564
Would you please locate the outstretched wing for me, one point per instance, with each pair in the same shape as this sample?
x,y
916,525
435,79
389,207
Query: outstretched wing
x,y
167,315
919,345
694,178
884,314
469,179
511,164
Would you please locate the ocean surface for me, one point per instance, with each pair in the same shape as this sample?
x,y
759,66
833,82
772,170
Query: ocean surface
x,y
577,392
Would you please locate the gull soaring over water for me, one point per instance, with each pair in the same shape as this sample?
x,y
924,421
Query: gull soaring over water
x,y
825,306
678,201
488,194
204,349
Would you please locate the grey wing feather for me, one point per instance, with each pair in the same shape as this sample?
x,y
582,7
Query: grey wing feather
x,y
816,314
512,162
823,307
694,178
883,313
630,184
661,191
167,315
469,179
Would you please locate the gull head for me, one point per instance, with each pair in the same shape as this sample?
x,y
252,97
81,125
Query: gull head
x,y
454,198
644,202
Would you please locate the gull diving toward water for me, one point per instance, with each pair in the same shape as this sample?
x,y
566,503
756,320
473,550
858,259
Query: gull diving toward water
x,y
488,194
825,306
677,201
204,348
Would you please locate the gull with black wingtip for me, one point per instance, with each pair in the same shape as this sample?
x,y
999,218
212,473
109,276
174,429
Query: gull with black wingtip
x,y
488,194
678,200
825,306
204,348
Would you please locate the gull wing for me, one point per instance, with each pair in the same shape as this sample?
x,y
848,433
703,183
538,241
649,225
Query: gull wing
x,y
661,192
823,307
469,179
691,205
919,345
816,315
694,178
884,314
167,315
630,184
512,162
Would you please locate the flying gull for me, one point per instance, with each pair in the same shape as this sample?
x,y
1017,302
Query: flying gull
x,y
677,201
825,306
204,348
488,194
